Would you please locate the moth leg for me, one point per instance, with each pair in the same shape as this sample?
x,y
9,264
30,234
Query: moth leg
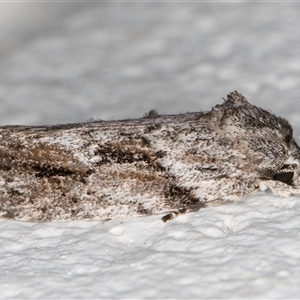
x,y
192,204
173,214
169,216
279,188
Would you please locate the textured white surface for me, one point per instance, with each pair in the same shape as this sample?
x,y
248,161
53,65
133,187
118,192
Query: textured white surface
x,y
68,62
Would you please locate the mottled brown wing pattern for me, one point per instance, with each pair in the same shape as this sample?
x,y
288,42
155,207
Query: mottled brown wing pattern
x,y
169,164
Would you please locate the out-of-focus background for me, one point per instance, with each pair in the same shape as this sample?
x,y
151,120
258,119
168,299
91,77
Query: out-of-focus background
x,y
68,62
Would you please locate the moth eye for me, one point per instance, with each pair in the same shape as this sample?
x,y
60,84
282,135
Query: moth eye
x,y
286,177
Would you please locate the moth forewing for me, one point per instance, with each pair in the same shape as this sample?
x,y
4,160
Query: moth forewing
x,y
169,164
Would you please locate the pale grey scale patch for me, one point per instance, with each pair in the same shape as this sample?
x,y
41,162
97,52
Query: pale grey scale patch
x,y
169,164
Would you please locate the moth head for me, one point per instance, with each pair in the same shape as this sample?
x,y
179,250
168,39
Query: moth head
x,y
268,136
289,172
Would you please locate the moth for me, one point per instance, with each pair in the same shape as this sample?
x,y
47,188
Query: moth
x,y
158,164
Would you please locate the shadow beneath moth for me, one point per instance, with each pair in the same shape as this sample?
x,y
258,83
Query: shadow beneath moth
x,y
170,164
